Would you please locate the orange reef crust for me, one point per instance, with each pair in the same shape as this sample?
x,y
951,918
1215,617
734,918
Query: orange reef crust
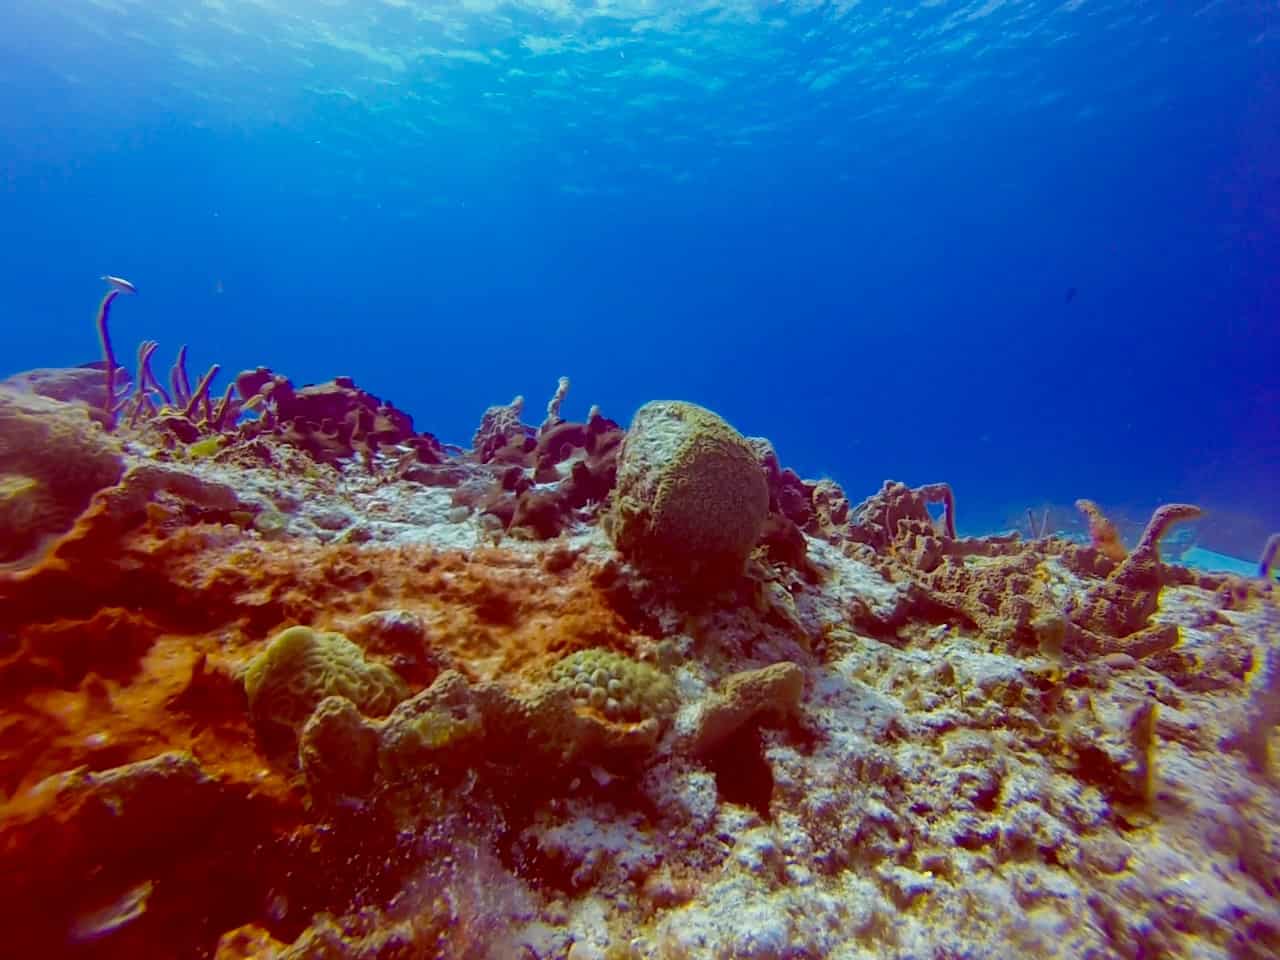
x,y
204,600
869,738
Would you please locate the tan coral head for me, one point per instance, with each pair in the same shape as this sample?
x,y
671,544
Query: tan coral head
x,y
691,497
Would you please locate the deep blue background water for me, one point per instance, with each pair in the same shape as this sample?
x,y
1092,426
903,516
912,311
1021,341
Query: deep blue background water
x,y
848,228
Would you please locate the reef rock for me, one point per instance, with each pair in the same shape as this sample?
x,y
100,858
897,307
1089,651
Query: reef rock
x,y
346,693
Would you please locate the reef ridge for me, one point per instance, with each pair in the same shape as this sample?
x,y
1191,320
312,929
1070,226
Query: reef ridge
x,y
281,676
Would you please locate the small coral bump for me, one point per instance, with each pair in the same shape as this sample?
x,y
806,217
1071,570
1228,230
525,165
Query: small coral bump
x,y
751,695
619,687
338,750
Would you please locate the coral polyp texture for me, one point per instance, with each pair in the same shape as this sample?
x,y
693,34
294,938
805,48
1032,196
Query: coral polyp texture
x,y
300,667
282,677
54,459
691,495
615,685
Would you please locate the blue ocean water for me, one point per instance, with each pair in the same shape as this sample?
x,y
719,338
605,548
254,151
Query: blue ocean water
x,y
1030,248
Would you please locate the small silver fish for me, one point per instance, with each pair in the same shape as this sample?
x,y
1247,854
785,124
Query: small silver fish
x,y
120,283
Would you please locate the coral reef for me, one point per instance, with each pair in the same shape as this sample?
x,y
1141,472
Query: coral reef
x,y
332,422
327,687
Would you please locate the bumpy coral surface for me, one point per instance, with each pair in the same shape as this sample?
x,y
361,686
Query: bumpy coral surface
x,y
54,459
617,686
692,496
350,693
300,667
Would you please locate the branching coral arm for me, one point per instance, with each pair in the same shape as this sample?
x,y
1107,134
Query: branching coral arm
x,y
146,376
201,391
1159,524
178,381
108,356
222,408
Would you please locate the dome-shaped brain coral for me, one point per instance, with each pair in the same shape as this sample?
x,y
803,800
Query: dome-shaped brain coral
x,y
691,496
301,667
55,459
617,686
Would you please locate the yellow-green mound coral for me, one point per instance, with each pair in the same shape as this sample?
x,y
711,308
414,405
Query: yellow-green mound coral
x,y
691,496
55,459
302,666
617,686
433,728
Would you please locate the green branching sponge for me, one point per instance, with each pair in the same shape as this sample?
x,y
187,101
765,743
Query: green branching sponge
x,y
302,666
618,687
691,497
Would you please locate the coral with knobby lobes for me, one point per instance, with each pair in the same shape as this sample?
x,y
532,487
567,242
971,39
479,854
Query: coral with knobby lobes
x,y
326,687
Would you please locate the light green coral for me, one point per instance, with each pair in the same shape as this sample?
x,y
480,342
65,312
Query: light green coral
x,y
691,495
207,447
431,741
302,666
618,687
54,460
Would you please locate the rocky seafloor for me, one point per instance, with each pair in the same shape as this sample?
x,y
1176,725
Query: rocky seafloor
x,y
281,677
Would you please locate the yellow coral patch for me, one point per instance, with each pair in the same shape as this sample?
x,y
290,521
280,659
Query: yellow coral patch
x,y
616,686
302,666
203,449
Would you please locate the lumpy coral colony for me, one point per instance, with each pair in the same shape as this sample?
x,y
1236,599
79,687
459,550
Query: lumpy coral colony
x,y
283,677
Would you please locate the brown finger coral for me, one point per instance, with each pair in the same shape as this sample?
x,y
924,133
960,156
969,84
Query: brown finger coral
x,y
1102,532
